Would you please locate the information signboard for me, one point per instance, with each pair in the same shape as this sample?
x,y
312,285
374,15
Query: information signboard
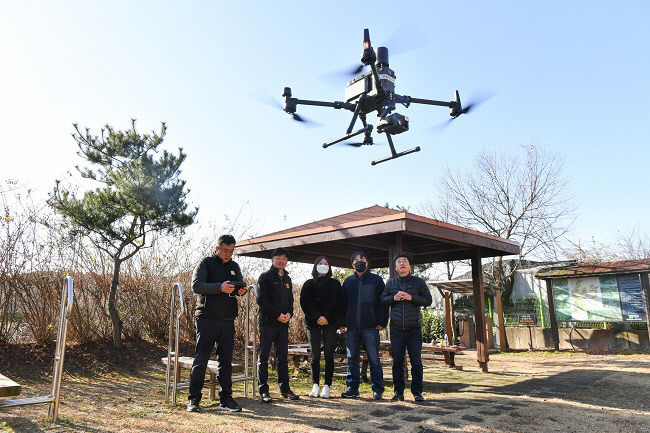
x,y
629,288
527,319
608,298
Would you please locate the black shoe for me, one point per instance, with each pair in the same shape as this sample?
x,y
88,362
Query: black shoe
x,y
193,406
265,397
418,397
377,395
229,404
290,395
397,397
350,394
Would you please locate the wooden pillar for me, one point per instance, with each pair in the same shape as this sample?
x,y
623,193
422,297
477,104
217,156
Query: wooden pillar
x,y
645,295
449,319
503,345
551,313
479,311
395,247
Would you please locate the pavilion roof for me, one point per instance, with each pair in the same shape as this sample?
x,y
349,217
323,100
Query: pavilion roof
x,y
380,232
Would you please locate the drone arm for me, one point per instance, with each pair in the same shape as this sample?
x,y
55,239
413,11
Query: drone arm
x,y
431,102
407,100
291,103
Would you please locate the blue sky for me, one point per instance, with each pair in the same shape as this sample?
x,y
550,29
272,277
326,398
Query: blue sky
x,y
572,76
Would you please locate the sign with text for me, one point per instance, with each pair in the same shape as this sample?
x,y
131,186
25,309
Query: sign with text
x,y
527,319
607,298
629,288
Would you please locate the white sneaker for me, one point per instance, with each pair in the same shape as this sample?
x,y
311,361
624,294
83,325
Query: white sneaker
x,y
314,390
325,393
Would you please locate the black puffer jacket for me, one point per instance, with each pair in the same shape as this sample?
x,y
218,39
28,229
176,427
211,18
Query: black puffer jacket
x,y
322,296
211,303
406,314
275,298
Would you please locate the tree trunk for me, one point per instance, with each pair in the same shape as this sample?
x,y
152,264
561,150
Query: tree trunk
x,y
112,309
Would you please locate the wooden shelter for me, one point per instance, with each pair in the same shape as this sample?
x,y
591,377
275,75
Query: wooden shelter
x,y
383,232
450,287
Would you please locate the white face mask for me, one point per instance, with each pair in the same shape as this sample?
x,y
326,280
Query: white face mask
x,y
322,269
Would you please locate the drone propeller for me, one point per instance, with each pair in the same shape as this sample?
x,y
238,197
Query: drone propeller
x,y
270,100
458,109
407,37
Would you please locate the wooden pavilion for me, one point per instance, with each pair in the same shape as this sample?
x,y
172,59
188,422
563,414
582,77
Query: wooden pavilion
x,y
383,232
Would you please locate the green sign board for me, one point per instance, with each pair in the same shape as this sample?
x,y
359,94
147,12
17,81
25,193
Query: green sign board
x,y
587,299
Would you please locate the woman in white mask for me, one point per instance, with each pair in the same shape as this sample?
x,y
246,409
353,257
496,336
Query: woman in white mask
x,y
322,301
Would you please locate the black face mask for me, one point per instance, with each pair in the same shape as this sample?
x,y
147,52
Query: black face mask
x,y
360,266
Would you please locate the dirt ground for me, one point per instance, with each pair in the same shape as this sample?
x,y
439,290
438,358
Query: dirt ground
x,y
524,392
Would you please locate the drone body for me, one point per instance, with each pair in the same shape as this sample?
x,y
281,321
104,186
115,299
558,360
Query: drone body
x,y
374,91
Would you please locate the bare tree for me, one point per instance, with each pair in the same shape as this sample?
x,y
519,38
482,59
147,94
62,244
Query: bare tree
x,y
633,245
511,195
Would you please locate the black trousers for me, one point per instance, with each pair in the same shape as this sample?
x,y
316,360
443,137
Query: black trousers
x,y
402,340
278,336
208,333
326,335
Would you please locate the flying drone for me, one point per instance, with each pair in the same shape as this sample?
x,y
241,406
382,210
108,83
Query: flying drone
x,y
372,91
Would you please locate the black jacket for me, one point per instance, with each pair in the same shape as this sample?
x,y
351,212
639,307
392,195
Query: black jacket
x,y
322,296
211,303
406,314
364,307
275,298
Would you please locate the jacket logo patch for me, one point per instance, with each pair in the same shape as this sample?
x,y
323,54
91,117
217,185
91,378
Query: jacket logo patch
x,y
232,273
287,284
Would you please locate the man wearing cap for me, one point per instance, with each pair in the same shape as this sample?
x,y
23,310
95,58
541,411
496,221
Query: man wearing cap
x,y
216,309
276,308
365,317
406,294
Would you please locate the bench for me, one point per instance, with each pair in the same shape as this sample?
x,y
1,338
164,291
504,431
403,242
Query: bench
x,y
185,362
449,352
8,388
300,352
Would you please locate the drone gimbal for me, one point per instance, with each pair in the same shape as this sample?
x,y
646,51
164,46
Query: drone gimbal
x,y
374,91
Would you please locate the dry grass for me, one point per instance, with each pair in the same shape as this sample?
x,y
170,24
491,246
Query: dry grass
x,y
523,393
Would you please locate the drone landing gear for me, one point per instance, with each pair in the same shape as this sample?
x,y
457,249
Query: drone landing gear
x,y
367,129
394,154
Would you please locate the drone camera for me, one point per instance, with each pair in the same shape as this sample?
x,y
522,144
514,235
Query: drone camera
x,y
394,124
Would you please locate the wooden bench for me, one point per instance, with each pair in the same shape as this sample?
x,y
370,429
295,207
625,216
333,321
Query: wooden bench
x,y
185,362
449,352
8,388
300,352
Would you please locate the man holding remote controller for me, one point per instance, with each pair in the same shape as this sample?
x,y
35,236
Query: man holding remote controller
x,y
216,281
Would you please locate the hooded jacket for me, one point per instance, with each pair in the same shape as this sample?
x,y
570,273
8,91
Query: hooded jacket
x,y
406,314
364,307
211,302
275,298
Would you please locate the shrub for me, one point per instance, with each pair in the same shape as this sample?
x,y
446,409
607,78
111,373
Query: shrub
x,y
433,327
